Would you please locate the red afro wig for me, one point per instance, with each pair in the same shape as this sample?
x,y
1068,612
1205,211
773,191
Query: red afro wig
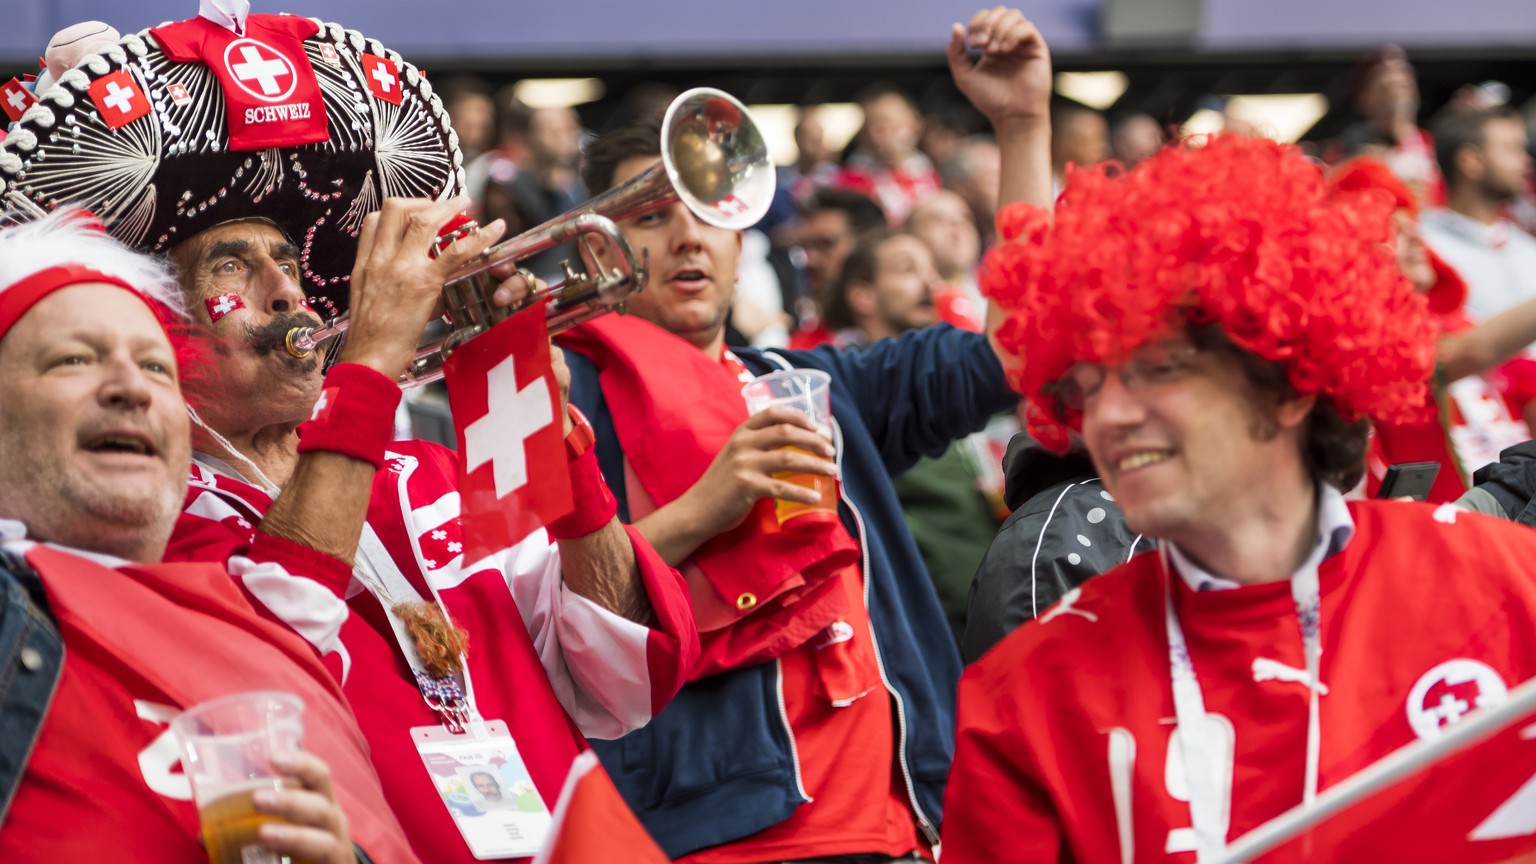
x,y
1242,233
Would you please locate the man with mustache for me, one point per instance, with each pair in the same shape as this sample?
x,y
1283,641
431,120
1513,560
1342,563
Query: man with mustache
x,y
104,644
818,724
578,630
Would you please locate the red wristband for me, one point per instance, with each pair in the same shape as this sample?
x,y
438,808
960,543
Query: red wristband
x,y
354,416
595,504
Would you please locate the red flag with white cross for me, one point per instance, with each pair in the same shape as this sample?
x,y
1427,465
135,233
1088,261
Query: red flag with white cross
x,y
1463,791
118,98
506,407
15,98
383,77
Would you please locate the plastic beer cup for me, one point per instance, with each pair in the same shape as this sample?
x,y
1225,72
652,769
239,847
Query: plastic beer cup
x,y
226,751
808,391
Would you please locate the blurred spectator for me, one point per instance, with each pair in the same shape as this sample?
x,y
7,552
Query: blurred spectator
x,y
1484,158
943,221
1079,136
472,112
833,221
973,172
945,130
1134,137
887,165
887,286
554,143
1471,423
816,164
1486,163
1387,98
531,174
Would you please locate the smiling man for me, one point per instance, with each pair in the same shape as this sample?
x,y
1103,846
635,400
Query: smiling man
x,y
102,643
1217,345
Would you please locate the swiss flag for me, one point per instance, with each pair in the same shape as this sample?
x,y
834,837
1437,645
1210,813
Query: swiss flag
x,y
592,823
1466,793
506,408
383,77
15,98
118,98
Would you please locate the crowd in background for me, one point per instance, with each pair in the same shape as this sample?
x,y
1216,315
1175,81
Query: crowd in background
x,y
886,234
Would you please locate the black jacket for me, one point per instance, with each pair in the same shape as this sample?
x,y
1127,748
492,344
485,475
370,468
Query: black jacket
x,y
1512,482
1064,528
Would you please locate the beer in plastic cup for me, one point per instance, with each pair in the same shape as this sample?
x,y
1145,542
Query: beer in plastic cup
x,y
226,751
809,391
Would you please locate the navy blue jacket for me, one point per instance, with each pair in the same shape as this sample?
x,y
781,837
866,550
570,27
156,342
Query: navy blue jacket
x,y
31,662
717,764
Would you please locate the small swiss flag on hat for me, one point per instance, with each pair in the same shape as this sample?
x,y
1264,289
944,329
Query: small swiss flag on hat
x,y
383,77
15,98
118,98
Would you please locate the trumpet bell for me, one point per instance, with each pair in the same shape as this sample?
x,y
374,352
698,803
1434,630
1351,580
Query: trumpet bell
x,y
716,160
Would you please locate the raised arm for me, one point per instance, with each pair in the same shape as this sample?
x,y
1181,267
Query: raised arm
x,y
1011,85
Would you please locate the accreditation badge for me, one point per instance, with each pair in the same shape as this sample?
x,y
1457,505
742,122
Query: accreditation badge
x,y
484,784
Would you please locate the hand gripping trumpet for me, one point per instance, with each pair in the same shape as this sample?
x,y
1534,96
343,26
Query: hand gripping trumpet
x,y
713,160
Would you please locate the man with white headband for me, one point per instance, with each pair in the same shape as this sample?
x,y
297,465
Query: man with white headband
x,y
450,663
102,643
1219,327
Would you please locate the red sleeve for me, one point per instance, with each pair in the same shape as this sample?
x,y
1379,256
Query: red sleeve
x,y
996,809
300,560
672,647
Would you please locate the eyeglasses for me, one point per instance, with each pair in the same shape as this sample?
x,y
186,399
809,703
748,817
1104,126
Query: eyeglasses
x,y
1150,366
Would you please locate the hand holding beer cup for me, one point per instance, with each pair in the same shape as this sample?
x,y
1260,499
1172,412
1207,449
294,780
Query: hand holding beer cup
x,y
807,391
259,797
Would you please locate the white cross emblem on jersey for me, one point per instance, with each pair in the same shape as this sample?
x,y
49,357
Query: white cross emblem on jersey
x,y
17,98
256,66
511,418
118,97
324,400
1450,709
382,75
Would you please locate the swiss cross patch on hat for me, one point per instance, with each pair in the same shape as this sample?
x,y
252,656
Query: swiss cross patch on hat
x,y
383,78
15,98
271,95
119,99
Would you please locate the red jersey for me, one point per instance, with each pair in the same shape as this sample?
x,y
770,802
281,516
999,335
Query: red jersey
x,y
143,642
1064,749
551,664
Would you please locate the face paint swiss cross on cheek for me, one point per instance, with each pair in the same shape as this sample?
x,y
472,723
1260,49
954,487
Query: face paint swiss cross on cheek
x,y
222,305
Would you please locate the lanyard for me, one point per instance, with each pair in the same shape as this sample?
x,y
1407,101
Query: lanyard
x,y
451,697
1205,804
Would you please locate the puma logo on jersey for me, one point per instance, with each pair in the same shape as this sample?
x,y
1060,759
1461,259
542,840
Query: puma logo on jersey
x,y
1265,669
1064,607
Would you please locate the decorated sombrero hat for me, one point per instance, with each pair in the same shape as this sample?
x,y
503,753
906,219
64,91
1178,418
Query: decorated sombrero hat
x,y
182,127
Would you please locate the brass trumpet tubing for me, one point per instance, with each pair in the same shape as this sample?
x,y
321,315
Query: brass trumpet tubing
x,y
713,160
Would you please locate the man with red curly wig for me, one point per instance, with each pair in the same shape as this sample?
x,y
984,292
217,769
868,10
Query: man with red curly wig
x,y
1217,326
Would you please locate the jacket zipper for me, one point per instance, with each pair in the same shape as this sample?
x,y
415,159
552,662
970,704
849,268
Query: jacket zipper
x,y
794,751
923,822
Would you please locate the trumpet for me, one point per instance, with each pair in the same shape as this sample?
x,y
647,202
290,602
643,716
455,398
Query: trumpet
x,y
713,160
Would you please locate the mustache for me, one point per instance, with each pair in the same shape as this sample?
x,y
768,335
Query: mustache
x,y
272,336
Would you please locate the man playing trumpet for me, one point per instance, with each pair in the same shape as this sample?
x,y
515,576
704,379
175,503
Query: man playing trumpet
x,y
582,630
